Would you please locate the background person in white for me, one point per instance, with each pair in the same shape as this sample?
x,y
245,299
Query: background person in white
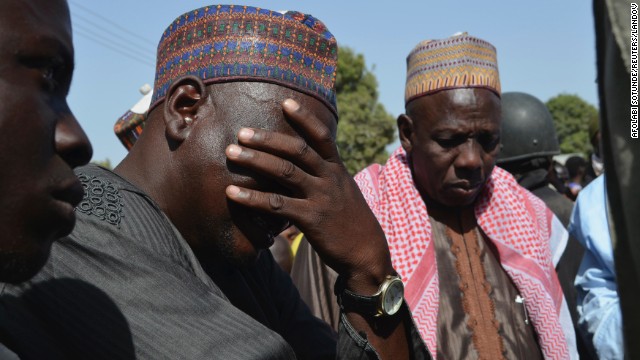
x,y
598,301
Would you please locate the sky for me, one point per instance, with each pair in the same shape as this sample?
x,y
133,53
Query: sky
x,y
545,47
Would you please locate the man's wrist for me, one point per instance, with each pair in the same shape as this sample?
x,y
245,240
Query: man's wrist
x,y
386,301
367,282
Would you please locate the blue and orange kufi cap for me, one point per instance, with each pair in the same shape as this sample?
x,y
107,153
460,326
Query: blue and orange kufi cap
x,y
460,61
223,43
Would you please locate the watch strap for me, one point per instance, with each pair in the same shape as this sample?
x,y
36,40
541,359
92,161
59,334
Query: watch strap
x,y
366,305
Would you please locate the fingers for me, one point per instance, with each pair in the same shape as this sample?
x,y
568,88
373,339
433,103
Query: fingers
x,y
308,166
317,134
281,170
272,203
294,149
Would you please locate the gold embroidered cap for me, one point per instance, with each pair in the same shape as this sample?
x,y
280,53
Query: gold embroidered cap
x,y
461,61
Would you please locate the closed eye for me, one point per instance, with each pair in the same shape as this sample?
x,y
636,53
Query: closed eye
x,y
450,142
489,141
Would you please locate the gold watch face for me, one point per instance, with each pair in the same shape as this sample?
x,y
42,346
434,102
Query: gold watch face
x,y
392,297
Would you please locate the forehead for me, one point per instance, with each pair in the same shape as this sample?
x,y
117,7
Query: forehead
x,y
456,108
28,23
261,103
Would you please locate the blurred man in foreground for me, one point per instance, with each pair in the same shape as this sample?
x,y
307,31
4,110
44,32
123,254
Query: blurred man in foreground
x,y
41,139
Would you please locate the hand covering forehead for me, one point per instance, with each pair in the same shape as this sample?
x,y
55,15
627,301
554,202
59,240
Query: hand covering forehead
x,y
461,61
222,43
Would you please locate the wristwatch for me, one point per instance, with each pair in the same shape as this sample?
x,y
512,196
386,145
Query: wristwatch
x,y
386,302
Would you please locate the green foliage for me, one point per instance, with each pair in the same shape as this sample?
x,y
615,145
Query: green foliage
x,y
365,128
571,116
106,163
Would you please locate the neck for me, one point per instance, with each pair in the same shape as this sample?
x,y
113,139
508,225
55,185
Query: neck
x,y
149,167
434,207
144,175
453,217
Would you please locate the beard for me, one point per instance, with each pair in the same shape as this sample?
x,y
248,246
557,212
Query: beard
x,y
225,249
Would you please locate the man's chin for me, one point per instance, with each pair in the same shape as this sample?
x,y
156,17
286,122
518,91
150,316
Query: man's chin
x,y
254,228
237,251
17,267
458,198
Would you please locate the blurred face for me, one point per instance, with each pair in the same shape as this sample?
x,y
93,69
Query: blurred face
x,y
238,232
452,139
41,140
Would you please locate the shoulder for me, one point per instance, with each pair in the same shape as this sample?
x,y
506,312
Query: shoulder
x,y
505,186
368,174
591,202
593,193
118,220
110,200
102,194
589,218
558,203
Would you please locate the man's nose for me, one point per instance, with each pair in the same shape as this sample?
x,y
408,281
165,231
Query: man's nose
x,y
71,142
470,157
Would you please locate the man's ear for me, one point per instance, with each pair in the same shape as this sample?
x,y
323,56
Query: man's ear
x,y
184,99
405,132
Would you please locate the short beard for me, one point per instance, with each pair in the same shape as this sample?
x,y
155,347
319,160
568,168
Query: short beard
x,y
224,249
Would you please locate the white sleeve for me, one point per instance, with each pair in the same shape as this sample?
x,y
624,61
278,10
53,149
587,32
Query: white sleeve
x,y
558,240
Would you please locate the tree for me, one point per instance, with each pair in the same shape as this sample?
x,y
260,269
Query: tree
x,y
571,117
365,128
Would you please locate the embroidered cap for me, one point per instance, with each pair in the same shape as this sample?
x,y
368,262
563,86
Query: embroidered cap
x,y
129,126
461,61
221,43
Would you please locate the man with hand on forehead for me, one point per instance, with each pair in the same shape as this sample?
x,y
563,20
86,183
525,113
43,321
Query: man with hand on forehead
x,y
238,141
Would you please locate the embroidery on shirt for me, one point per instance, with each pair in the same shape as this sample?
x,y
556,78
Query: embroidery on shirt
x,y
101,199
476,299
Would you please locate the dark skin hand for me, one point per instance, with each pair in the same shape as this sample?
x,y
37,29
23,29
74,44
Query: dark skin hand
x,y
325,203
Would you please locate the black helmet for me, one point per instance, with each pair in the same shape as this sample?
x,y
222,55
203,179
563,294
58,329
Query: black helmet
x,y
527,129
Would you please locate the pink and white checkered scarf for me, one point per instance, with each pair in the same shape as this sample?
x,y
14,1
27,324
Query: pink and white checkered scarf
x,y
518,223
